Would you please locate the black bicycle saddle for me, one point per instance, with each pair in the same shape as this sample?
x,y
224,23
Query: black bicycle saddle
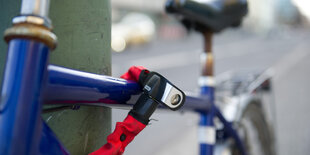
x,y
214,15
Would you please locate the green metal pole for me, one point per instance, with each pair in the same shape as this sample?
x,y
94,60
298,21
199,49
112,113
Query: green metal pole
x,y
83,29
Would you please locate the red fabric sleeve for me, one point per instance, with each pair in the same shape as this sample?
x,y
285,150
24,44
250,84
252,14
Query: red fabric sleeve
x,y
123,134
124,131
133,73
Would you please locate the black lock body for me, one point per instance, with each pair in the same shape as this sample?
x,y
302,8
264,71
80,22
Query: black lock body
x,y
156,89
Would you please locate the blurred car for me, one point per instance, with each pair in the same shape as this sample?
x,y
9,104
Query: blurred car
x,y
133,29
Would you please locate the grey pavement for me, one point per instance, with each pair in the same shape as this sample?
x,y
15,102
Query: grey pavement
x,y
284,50
292,86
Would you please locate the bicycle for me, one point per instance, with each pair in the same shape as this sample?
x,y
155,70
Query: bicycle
x,y
31,38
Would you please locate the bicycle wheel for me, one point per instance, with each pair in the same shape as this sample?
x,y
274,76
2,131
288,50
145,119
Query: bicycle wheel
x,y
254,131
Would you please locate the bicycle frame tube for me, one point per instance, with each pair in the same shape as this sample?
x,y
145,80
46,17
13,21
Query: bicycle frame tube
x,y
228,128
206,130
25,72
30,39
49,144
71,87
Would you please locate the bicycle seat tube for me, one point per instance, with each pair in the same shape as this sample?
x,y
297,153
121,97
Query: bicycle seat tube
x,y
207,132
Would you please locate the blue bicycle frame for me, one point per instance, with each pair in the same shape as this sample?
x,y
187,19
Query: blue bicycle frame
x,y
29,82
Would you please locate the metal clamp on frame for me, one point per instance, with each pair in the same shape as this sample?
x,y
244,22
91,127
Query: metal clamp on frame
x,y
156,90
33,23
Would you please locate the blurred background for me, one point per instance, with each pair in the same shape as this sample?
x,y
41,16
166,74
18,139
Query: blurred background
x,y
274,35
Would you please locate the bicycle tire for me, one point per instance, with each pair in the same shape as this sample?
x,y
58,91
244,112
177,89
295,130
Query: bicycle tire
x,y
255,132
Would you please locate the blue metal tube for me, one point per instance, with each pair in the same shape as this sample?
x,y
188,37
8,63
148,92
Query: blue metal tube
x,y
49,144
20,108
231,132
67,86
207,132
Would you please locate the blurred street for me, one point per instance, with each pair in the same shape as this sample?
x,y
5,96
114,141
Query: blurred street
x,y
274,37
285,50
